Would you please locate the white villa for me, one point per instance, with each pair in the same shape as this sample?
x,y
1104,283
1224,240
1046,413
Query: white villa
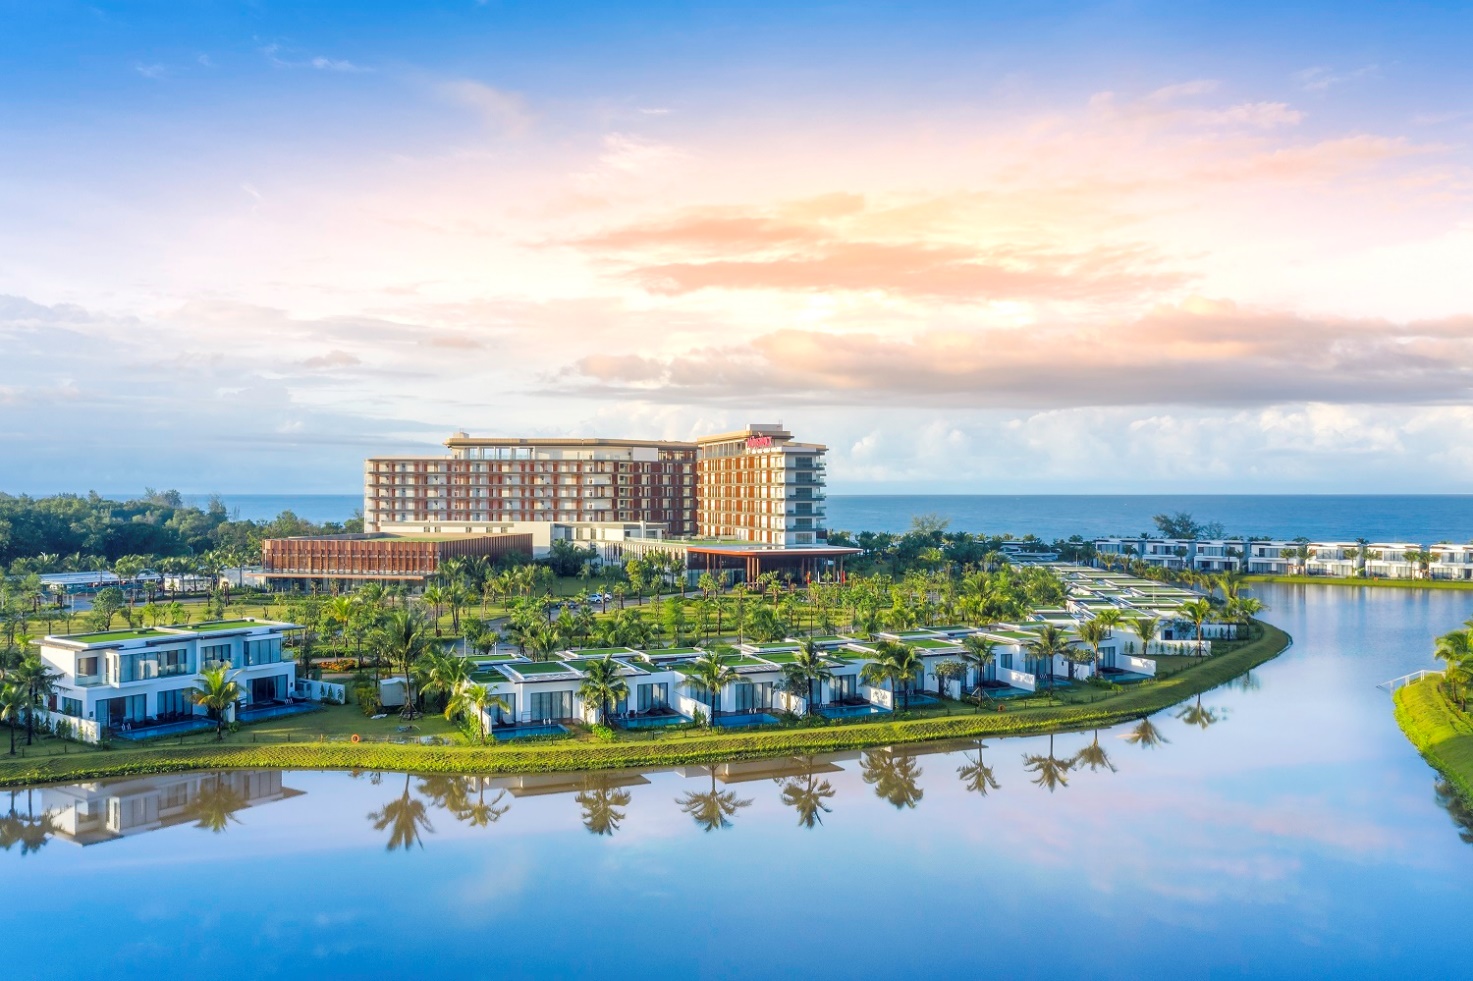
x,y
136,680
662,691
1278,557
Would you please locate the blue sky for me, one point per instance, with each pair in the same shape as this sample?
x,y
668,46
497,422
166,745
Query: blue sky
x,y
1062,247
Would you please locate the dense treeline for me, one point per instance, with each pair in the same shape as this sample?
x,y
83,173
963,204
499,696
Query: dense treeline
x,y
74,532
928,545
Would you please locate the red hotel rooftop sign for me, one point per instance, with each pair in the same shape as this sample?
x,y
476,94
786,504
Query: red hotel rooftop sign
x,y
757,442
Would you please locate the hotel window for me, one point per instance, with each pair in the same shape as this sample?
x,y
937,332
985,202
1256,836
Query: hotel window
x,y
87,666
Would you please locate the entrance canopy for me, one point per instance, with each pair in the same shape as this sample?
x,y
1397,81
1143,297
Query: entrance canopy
x,y
803,562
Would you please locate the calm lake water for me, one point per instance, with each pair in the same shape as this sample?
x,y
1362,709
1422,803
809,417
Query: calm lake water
x,y
1423,518
1292,833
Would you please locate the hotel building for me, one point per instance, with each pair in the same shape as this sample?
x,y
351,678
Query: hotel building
x,y
756,485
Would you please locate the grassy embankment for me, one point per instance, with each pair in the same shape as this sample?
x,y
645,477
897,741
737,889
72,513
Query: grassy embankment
x,y
1348,581
245,749
1442,734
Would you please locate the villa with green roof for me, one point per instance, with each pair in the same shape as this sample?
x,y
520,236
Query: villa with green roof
x,y
137,681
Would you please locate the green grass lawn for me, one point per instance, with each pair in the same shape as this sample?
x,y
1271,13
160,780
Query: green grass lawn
x,y
1442,734
1384,583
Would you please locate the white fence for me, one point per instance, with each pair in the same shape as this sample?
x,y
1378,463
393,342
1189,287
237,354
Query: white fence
x,y
1018,679
1135,665
82,730
321,691
1189,647
879,696
1407,679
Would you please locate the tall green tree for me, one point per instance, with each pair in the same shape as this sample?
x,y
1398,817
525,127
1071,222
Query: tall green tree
x,y
710,673
603,685
216,690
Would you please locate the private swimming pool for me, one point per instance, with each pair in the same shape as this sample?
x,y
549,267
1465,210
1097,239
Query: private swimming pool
x,y
653,721
850,711
734,721
527,732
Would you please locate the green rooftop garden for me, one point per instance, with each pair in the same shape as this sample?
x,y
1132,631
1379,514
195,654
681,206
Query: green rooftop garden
x,y
530,668
933,645
213,626
601,651
114,635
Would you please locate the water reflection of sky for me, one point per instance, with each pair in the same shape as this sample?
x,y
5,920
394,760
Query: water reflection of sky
x,y
1296,834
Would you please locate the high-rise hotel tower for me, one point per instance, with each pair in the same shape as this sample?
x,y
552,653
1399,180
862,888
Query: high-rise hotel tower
x,y
754,485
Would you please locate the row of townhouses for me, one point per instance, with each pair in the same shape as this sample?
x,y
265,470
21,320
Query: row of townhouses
x,y
1389,560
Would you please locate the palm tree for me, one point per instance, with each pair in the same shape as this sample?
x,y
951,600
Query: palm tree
x,y
405,817
481,814
403,640
1049,643
806,793
978,653
1196,715
476,700
217,690
39,682
1145,735
601,801
710,674
894,776
1198,612
214,804
897,664
603,686
13,702
1053,772
1094,756
1146,629
976,775
444,674
809,666
714,809
1093,632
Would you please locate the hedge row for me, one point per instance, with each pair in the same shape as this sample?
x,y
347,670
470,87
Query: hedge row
x,y
1134,702
1441,734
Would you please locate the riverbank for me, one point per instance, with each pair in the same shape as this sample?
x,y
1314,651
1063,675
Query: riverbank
x,y
683,749
1453,584
1442,734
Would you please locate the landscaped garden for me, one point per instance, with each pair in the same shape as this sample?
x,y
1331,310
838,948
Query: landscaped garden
x,y
322,740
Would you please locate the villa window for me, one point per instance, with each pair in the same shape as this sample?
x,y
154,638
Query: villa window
x,y
552,705
87,666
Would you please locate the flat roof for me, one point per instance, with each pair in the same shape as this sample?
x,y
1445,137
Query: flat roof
x,y
768,551
468,441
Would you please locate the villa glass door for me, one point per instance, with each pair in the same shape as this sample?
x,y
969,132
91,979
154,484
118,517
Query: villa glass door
x,y
745,694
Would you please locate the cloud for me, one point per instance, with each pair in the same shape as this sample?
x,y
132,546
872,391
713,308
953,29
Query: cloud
x,y
1200,353
153,71
332,359
1321,78
505,112
1180,90
336,65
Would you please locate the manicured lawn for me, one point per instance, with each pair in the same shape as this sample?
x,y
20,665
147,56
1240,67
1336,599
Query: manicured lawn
x,y
1391,583
1442,734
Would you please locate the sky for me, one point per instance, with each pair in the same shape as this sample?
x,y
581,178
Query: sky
x,y
973,248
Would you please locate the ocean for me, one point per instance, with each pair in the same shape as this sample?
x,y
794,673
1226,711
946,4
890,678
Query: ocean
x,y
1424,518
